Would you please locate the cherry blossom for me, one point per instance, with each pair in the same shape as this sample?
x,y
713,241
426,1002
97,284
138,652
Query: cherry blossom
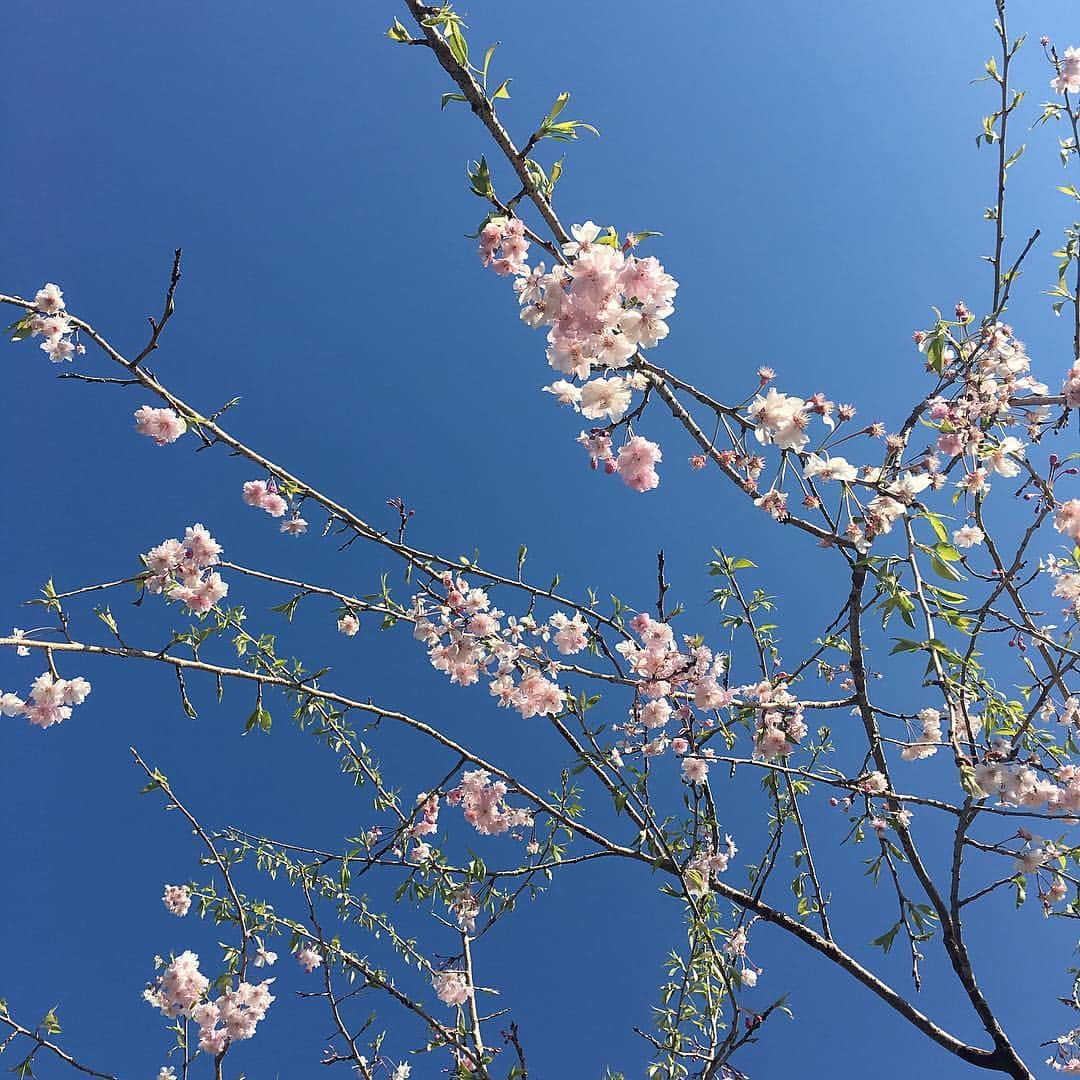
x,y
309,958
484,803
51,700
1067,80
177,899
161,425
452,987
181,570
180,986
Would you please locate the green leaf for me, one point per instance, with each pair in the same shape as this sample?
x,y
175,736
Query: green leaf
x,y
503,90
446,98
20,328
260,719
560,104
943,569
1015,156
480,179
938,526
487,61
459,49
398,33
905,645
886,940
1020,883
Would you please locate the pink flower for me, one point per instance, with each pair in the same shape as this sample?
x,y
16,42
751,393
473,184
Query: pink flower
x,y
566,393
452,987
536,696
49,299
161,425
695,770
637,464
234,1016
1067,519
571,635
178,568
264,496
57,349
295,525
50,702
605,397
348,624
1067,80
484,804
275,505
179,987
201,548
177,899
255,492
309,959
1071,387
968,536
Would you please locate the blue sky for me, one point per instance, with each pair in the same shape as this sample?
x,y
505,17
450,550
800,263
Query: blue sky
x,y
814,173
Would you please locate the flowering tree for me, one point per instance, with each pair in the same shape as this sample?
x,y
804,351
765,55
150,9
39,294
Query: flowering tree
x,y
655,722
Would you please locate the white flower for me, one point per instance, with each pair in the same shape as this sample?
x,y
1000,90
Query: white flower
x,y
968,536
1003,459
605,397
583,236
829,468
566,393
909,485
263,956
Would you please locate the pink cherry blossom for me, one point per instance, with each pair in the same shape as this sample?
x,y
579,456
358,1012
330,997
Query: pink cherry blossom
x,y
452,987
161,425
177,899
1067,80
49,299
309,958
637,464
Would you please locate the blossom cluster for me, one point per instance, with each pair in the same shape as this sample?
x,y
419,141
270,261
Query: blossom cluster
x,y
452,987
735,947
309,958
233,1016
467,638
707,865
50,322
177,899
51,700
601,304
179,991
972,429
484,804
162,425
427,819
181,570
1015,783
1067,81
926,742
264,495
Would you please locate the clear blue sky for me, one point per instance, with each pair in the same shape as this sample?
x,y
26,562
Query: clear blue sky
x,y
814,172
